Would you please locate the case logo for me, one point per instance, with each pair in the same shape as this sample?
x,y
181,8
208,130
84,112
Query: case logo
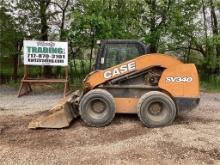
x,y
179,79
120,70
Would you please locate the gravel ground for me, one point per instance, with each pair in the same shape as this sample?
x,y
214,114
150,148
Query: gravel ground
x,y
194,138
38,100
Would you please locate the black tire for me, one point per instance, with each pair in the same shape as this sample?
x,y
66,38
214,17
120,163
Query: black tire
x,y
97,108
156,109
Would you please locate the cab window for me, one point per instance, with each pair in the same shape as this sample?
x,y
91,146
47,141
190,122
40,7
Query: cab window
x,y
117,53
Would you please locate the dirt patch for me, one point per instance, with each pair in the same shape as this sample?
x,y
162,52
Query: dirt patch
x,y
185,120
192,139
179,152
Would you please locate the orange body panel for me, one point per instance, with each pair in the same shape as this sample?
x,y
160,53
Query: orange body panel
x,y
126,105
141,62
178,79
181,81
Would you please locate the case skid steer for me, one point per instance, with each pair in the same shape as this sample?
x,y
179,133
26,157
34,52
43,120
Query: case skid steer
x,y
127,78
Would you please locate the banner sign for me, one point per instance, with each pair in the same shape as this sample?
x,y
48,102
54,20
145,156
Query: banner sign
x,y
45,53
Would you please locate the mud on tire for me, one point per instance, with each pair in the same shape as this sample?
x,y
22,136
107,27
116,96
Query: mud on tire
x,y
97,108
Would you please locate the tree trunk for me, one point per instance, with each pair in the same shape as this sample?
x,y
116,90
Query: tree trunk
x,y
205,23
214,22
44,31
62,38
62,34
15,67
153,30
74,59
189,51
214,25
82,68
92,36
19,46
90,58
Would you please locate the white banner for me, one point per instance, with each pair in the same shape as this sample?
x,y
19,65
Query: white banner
x,y
45,53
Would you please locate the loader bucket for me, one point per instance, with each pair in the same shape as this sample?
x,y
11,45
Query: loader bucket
x,y
60,116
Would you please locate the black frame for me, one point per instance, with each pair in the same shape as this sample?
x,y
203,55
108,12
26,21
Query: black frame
x,y
103,43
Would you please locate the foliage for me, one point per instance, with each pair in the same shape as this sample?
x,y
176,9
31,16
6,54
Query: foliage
x,y
211,83
188,29
9,34
98,19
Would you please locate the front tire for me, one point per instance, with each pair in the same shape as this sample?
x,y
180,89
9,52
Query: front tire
x,y
156,109
97,108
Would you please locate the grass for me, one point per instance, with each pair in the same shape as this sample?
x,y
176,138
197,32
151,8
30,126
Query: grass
x,y
76,74
210,83
207,83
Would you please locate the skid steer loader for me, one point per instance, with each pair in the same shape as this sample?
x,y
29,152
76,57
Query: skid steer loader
x,y
127,78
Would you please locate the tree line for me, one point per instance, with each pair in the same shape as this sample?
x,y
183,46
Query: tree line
x,y
188,29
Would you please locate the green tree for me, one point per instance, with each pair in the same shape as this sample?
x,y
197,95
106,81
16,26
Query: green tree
x,y
10,40
155,19
37,15
98,19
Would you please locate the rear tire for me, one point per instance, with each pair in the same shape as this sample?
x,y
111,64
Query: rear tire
x,y
156,109
97,108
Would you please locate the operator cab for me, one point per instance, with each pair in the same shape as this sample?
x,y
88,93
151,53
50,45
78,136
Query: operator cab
x,y
113,52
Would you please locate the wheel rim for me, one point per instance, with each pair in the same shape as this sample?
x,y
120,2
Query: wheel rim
x,y
156,111
97,108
